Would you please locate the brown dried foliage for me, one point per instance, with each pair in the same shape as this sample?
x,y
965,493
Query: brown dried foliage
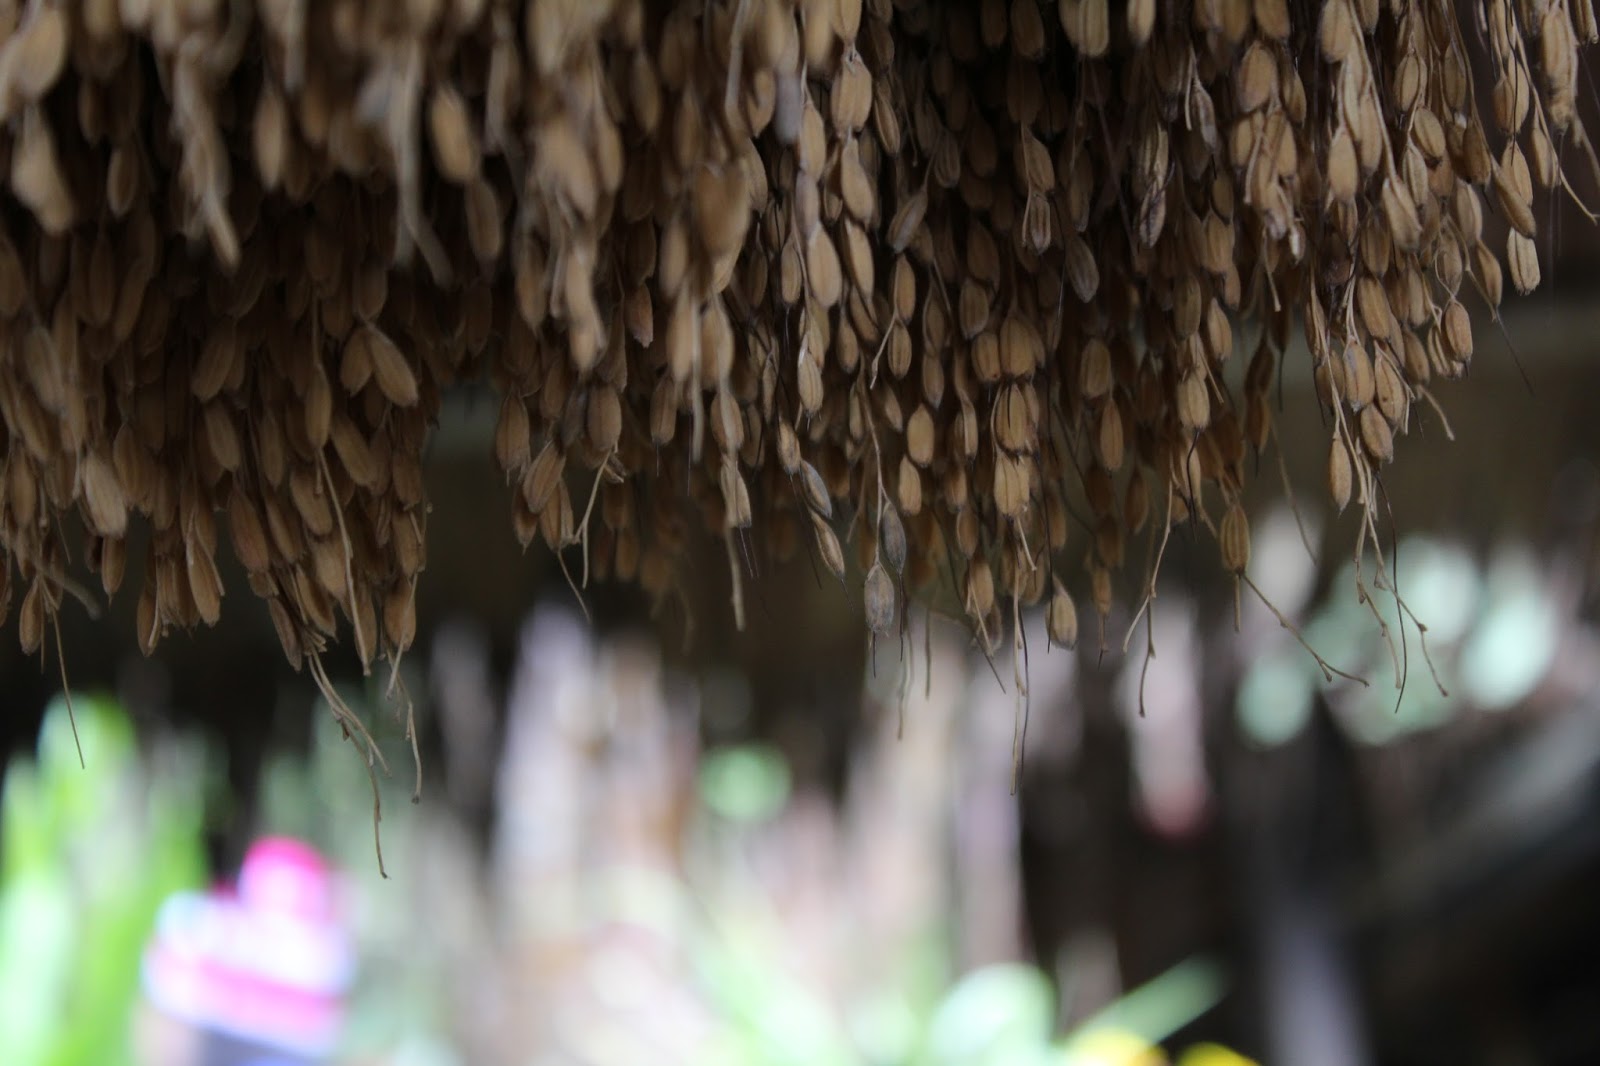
x,y
944,272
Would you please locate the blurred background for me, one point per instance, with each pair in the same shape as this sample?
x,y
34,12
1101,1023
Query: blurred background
x,y
643,836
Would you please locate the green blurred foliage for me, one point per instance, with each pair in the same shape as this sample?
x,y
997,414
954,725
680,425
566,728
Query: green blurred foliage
x,y
88,852
87,855
998,1015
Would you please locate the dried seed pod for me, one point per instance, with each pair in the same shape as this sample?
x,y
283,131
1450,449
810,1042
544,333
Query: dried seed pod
x,y
735,497
892,538
722,215
986,358
1109,437
1457,327
1510,98
1141,20
828,545
1392,396
1376,435
920,436
1255,78
1193,402
1401,213
318,410
113,567
44,369
38,53
908,487
858,258
788,449
815,491
851,94
1012,488
1061,620
1135,504
37,177
270,136
1359,384
1233,537
1100,588
906,219
484,230
1339,473
215,361
543,478
389,368
222,436
455,146
1094,369
604,419
1513,186
879,599
250,544
1012,423
824,276
105,506
809,376
1087,24
973,312
204,586
1021,347
1082,271
31,618
1522,256
979,588
855,185
400,616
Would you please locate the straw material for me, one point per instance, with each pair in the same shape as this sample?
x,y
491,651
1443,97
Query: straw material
x,y
940,293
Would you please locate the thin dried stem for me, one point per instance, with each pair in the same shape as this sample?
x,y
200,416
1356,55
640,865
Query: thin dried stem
x,y
349,564
1329,671
66,689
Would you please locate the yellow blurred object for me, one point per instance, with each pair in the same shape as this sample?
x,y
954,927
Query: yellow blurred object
x,y
1213,1055
1113,1047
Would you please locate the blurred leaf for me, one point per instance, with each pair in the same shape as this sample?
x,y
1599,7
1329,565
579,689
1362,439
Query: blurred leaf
x,y
80,790
1513,644
36,935
885,1026
771,1015
1160,1007
1341,630
746,784
27,824
927,969
993,1015
1275,699
98,849
1442,586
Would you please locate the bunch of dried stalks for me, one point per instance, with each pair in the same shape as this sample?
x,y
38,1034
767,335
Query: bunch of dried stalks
x,y
956,285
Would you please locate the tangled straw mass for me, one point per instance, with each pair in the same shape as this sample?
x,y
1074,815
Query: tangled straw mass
x,y
957,286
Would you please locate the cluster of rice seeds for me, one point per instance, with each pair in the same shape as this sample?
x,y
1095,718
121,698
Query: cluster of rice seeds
x,y
955,286
1407,166
276,391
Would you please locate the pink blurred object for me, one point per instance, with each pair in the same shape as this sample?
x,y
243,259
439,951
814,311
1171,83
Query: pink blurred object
x,y
268,962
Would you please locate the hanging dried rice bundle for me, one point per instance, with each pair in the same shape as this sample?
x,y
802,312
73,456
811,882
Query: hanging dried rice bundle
x,y
925,277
